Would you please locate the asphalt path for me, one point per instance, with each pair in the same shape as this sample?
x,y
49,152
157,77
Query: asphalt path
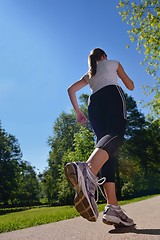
x,y
145,213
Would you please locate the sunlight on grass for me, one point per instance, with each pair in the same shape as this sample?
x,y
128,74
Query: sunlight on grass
x,y
44,215
35,216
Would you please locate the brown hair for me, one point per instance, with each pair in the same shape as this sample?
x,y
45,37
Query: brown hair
x,y
94,56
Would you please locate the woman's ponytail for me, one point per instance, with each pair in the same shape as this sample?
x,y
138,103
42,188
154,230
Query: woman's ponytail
x,y
92,65
95,56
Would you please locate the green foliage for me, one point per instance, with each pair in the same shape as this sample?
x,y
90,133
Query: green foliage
x,y
28,189
10,156
62,140
18,181
131,174
69,140
144,20
135,119
83,146
154,105
139,162
145,144
48,185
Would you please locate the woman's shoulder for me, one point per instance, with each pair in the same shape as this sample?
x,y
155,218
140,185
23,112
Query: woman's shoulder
x,y
85,77
111,61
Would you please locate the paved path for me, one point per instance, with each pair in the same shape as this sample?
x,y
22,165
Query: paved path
x,y
145,213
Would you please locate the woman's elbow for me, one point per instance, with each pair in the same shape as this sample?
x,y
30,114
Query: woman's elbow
x,y
69,89
131,86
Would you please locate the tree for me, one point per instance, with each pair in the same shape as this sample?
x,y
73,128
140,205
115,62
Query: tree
x,y
83,144
139,162
143,17
10,156
145,144
49,185
28,190
135,119
62,140
18,181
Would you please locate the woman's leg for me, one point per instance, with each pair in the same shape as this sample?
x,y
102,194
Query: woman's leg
x,y
97,160
110,192
108,171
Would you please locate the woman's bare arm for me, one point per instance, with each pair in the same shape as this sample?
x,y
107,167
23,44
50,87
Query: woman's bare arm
x,y
72,94
124,77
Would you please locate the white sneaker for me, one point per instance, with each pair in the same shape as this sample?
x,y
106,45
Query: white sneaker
x,y
116,217
85,184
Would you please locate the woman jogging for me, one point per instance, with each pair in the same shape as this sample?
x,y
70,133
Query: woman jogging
x,y
107,115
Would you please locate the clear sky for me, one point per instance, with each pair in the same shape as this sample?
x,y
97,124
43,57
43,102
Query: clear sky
x,y
44,45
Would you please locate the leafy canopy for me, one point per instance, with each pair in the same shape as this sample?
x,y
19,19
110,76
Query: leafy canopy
x,y
143,16
144,21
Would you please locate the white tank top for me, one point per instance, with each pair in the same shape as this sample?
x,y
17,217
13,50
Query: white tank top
x,y
106,74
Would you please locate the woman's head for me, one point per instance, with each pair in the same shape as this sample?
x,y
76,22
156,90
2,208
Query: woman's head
x,y
96,55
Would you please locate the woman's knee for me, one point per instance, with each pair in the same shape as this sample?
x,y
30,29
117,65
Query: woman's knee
x,y
110,143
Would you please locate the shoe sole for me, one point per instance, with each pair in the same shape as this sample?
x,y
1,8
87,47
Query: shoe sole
x,y
107,222
116,222
82,204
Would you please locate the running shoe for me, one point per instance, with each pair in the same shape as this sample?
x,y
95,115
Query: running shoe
x,y
85,184
116,217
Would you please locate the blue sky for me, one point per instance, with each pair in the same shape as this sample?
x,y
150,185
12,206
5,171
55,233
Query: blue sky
x,y
44,45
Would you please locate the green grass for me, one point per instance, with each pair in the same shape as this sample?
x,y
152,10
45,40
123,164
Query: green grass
x,y
41,215
138,199
34,217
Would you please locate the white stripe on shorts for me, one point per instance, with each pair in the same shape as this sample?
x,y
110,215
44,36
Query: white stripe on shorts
x,y
123,101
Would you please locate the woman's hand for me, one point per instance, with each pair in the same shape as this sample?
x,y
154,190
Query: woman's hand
x,y
81,118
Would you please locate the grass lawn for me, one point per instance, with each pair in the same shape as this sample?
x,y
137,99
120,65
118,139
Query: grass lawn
x,y
42,215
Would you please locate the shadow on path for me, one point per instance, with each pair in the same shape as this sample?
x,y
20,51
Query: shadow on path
x,y
135,230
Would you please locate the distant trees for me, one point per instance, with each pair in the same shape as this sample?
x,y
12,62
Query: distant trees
x,y
137,165
18,181
10,156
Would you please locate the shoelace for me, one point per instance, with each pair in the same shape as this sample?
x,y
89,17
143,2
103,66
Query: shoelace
x,y
99,183
96,185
